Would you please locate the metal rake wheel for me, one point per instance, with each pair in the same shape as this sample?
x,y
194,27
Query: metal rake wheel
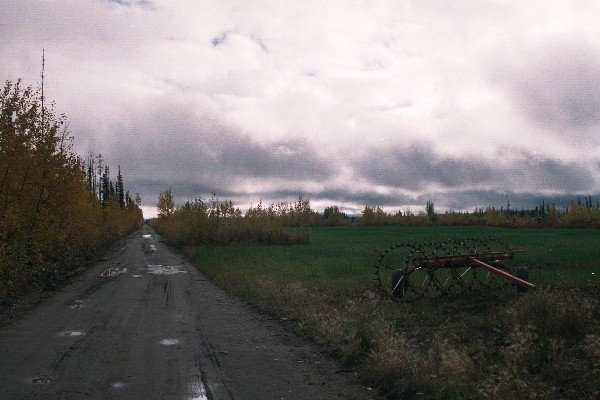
x,y
432,269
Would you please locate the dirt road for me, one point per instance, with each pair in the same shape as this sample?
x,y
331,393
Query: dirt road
x,y
144,324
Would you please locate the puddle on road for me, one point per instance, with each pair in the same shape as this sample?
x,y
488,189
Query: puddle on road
x,y
71,333
147,236
40,380
117,385
77,305
113,271
158,269
198,391
169,342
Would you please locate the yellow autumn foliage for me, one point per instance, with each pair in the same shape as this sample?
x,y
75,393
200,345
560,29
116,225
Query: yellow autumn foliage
x,y
50,222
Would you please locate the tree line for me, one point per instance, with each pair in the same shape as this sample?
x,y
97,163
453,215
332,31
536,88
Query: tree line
x,y
54,214
220,222
545,215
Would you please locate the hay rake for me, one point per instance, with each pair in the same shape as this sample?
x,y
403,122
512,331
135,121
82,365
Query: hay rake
x,y
414,270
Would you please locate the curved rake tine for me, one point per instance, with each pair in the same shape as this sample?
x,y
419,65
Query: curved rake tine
x,y
397,284
467,270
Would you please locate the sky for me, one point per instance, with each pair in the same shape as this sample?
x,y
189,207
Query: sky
x,y
348,103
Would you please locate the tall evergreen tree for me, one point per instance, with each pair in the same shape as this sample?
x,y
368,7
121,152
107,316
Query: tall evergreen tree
x,y
98,177
105,185
90,174
120,189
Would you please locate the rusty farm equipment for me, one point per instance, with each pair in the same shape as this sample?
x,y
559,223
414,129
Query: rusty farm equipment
x,y
415,270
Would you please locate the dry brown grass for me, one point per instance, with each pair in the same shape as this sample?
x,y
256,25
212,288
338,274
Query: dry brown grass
x,y
542,345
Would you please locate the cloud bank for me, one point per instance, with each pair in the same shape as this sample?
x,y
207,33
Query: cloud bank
x,y
345,102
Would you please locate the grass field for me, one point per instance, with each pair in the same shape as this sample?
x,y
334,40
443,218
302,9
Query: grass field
x,y
340,258
544,344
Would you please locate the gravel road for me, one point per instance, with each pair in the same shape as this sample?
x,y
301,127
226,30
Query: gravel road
x,y
145,324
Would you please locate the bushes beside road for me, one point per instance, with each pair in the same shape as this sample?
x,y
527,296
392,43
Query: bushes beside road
x,y
219,223
56,213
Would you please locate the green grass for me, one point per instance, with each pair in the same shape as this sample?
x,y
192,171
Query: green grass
x,y
341,258
487,344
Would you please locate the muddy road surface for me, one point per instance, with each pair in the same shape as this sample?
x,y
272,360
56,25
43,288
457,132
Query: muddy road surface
x,y
145,324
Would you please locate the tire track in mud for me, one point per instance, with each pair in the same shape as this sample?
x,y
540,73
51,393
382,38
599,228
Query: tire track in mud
x,y
123,347
161,332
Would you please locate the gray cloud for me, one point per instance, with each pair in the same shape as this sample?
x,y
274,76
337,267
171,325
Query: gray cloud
x,y
340,196
557,84
418,167
294,101
491,198
128,3
199,155
415,167
224,37
186,190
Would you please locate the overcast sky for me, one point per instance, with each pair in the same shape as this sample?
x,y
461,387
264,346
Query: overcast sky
x,y
345,102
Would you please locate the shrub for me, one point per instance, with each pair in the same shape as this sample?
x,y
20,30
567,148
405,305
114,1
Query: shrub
x,y
51,219
220,223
